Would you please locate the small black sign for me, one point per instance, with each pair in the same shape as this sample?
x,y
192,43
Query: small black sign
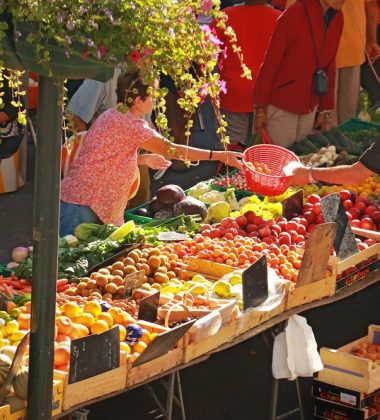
x,y
292,206
255,283
334,211
163,343
133,281
148,307
94,354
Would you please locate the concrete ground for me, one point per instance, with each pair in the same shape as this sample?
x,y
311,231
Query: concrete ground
x,y
234,384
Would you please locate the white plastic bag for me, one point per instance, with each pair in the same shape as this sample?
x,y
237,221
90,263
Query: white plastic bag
x,y
280,368
303,357
205,327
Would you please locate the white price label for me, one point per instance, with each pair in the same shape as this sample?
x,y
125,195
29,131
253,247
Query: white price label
x,y
347,398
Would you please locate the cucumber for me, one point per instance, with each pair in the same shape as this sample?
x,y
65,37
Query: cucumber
x,y
318,140
340,138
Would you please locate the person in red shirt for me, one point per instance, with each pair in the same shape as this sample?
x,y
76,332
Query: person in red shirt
x,y
287,97
253,24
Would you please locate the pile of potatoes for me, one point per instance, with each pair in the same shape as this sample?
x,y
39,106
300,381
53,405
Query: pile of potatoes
x,y
108,283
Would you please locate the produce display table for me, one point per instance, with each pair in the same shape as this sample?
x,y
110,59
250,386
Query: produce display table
x,y
346,292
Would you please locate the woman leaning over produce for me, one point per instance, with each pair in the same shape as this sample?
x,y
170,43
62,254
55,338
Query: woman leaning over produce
x,y
97,185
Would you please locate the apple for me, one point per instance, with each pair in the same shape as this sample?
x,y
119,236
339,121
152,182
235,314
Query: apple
x,y
367,223
375,216
284,238
356,223
293,234
345,194
291,226
317,208
361,206
361,199
281,219
355,212
301,229
276,228
309,216
282,225
347,204
369,210
251,228
241,221
313,198
264,231
304,222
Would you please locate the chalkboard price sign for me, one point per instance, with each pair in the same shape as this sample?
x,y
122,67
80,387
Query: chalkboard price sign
x,y
255,283
94,354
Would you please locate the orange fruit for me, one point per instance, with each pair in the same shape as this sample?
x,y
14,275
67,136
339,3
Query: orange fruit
x,y
63,368
117,315
64,325
24,321
70,309
139,347
135,355
84,319
145,336
122,331
61,338
62,355
128,319
105,316
92,307
99,327
125,347
83,331
28,307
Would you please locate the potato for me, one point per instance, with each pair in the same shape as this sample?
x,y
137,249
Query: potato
x,y
111,288
145,267
154,251
119,272
135,256
107,296
120,290
103,271
162,269
130,269
161,278
118,280
101,280
119,265
171,274
91,284
154,261
81,286
128,261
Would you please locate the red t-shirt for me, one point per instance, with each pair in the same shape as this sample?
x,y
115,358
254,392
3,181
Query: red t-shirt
x,y
253,26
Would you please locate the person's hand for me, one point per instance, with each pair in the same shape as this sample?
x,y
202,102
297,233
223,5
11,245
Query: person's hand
x,y
320,121
3,117
300,175
260,118
229,158
373,51
154,161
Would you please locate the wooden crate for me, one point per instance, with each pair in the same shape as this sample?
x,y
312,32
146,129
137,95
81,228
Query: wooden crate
x,y
349,371
310,292
154,367
5,412
88,389
225,334
338,266
329,410
254,317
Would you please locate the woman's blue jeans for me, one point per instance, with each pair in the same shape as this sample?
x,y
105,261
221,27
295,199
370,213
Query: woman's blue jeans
x,y
72,215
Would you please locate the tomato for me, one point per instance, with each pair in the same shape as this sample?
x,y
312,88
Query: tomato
x,y
356,223
317,208
309,216
347,204
241,221
367,223
291,226
370,209
361,206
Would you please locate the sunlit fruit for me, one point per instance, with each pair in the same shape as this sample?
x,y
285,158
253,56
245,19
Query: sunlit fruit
x,y
139,347
64,325
70,309
99,327
11,327
86,319
62,355
93,307
105,316
24,321
125,347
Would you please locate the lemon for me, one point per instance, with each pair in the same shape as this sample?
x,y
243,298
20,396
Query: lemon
x,y
222,288
122,231
70,309
15,313
92,307
4,342
125,347
17,336
236,279
198,278
11,327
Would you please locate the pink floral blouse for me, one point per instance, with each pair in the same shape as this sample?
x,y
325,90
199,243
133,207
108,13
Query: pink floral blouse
x,y
101,176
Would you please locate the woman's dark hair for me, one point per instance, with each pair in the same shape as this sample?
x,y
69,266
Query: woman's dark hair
x,y
129,87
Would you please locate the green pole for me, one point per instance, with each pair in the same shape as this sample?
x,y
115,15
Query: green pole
x,y
45,248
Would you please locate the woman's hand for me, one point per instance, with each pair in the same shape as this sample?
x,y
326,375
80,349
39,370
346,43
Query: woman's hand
x,y
229,158
153,161
260,118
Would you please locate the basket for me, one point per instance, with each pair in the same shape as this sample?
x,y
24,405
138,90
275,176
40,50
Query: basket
x,y
276,158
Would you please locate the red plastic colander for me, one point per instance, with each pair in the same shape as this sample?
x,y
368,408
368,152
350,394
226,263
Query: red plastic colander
x,y
276,158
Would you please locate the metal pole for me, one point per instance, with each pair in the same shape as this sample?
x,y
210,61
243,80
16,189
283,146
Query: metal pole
x,y
45,247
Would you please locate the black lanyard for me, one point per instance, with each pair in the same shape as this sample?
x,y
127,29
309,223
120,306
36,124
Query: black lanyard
x,y
317,59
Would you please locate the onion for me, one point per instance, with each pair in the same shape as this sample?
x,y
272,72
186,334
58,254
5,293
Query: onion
x,y
12,265
19,254
30,249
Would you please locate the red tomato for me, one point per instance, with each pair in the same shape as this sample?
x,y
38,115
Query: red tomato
x,y
313,198
347,204
345,195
